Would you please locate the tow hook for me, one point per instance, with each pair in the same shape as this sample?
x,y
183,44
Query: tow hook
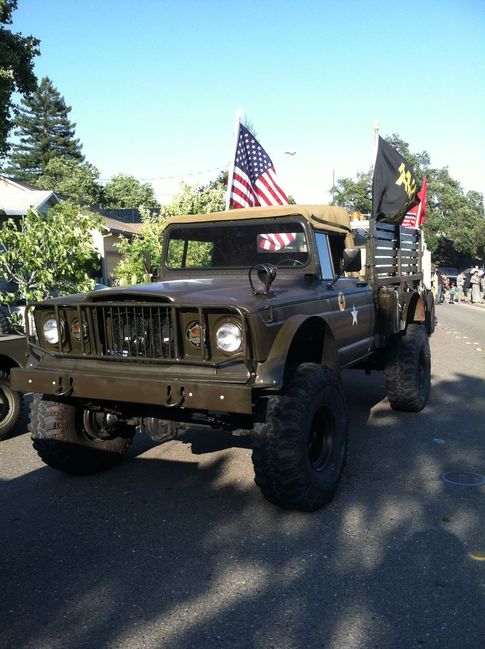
x,y
171,401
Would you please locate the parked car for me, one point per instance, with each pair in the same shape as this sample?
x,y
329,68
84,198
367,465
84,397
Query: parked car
x,y
13,353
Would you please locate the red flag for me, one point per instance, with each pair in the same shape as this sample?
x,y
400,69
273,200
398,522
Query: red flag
x,y
254,180
415,217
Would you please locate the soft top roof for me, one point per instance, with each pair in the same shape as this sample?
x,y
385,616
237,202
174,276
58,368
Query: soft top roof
x,y
323,217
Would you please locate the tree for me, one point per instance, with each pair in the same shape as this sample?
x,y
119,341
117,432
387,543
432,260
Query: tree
x,y
50,254
17,55
77,181
455,224
194,199
124,191
133,267
354,195
45,132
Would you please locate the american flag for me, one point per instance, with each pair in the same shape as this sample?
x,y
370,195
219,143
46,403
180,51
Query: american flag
x,y
276,241
254,179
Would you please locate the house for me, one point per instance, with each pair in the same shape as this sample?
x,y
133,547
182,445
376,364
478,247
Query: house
x,y
106,243
16,198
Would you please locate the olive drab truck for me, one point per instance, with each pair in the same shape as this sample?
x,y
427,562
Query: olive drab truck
x,y
252,318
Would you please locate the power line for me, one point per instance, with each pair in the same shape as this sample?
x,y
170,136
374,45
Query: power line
x,y
192,173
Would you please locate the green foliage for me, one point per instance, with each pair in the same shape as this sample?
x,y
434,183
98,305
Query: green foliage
x,y
17,55
133,268
193,199
47,255
77,181
455,223
199,254
124,191
45,132
354,195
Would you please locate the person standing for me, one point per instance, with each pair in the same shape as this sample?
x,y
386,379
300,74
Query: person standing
x,y
451,293
482,286
475,283
446,287
460,280
441,288
466,285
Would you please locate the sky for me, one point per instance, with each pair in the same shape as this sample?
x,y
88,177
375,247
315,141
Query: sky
x,y
154,85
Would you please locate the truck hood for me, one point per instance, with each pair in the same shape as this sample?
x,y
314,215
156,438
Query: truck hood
x,y
226,290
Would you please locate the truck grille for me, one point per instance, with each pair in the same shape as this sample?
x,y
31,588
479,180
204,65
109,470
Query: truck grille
x,y
130,331
136,331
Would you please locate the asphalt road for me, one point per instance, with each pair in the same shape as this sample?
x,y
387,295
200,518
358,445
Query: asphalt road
x,y
176,548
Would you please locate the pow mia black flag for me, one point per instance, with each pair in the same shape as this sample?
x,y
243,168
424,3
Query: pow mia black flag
x,y
393,185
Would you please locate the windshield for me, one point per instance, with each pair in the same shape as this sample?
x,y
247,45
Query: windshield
x,y
240,245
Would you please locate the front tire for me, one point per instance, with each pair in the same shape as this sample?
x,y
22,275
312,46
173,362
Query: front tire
x,y
60,437
407,370
299,452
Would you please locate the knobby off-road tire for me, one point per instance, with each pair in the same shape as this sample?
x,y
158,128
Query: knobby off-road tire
x,y
62,442
407,370
12,407
299,452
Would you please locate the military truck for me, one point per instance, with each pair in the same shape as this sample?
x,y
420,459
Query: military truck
x,y
13,353
253,317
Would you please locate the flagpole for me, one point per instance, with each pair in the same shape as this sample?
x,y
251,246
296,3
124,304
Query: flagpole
x,y
376,126
376,140
237,123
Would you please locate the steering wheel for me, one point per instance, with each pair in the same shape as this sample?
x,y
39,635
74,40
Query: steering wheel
x,y
290,261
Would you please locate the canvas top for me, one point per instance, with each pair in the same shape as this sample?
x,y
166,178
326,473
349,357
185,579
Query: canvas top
x,y
322,217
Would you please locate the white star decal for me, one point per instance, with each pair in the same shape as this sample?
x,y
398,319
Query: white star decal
x,y
354,313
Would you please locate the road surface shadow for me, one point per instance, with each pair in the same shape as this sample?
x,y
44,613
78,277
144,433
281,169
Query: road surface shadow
x,y
174,550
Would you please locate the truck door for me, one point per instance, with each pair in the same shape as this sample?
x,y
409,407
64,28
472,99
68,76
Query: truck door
x,y
347,304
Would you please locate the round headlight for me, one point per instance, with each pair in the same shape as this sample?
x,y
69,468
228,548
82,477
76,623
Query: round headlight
x,y
229,337
51,333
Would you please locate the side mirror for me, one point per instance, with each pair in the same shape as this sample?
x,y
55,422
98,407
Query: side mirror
x,y
352,261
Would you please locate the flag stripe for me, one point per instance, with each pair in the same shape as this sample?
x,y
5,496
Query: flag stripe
x,y
241,187
272,174
266,181
276,240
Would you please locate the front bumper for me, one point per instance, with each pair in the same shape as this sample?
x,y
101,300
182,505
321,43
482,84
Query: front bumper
x,y
168,392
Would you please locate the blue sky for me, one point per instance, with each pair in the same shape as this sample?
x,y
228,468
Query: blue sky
x,y
154,85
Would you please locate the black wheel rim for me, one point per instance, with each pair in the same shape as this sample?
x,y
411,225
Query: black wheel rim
x,y
320,439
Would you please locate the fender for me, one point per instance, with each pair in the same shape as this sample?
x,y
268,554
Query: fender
x,y
299,328
414,310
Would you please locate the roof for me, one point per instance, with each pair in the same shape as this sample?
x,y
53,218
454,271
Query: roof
x,y
16,198
322,217
17,203
127,215
120,226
